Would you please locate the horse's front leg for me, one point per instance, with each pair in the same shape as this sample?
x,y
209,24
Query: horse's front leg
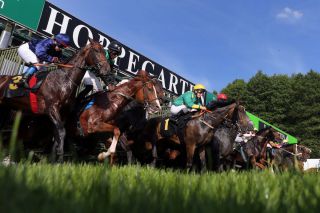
x,y
190,148
105,127
202,155
59,136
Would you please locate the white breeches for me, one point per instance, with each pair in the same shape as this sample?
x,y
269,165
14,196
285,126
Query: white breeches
x,y
90,79
27,55
176,109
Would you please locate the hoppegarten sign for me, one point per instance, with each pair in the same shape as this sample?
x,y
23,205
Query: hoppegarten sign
x,y
25,12
54,20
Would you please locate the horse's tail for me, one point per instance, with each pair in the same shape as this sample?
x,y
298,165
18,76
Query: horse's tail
x,y
4,80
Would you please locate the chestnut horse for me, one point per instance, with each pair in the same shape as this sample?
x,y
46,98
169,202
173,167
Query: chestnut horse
x,y
100,117
58,90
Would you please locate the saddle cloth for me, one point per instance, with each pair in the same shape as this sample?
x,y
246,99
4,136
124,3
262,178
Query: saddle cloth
x,y
16,89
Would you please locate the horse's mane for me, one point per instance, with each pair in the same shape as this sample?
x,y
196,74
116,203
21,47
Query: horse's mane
x,y
263,130
223,109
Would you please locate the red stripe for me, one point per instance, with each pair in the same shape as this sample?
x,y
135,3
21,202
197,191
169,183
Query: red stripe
x,y
33,96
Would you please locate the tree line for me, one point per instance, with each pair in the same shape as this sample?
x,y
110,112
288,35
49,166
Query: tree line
x,y
291,103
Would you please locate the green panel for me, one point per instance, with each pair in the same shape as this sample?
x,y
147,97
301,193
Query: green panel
x,y
25,12
256,120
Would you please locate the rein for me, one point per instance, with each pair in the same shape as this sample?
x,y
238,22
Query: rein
x,y
291,153
129,97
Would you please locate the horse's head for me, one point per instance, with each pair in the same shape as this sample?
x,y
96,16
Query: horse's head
x,y
241,119
95,58
147,92
159,90
270,134
303,153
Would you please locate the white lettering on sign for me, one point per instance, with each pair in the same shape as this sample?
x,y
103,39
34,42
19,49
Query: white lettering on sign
x,y
184,84
144,65
76,33
104,41
2,3
128,61
173,83
162,79
52,22
132,62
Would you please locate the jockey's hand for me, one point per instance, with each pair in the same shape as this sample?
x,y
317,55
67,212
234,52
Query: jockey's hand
x,y
203,108
55,60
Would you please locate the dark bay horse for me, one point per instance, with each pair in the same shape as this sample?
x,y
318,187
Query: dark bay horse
x,y
223,142
284,157
256,148
58,90
131,122
197,133
100,117
200,131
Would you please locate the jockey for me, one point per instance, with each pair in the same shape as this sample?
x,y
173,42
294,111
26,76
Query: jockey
x,y
222,100
222,97
45,50
90,80
192,100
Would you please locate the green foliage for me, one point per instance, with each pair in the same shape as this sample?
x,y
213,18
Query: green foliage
x,y
291,103
87,188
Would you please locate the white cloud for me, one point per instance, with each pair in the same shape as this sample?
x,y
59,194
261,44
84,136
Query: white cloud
x,y
289,14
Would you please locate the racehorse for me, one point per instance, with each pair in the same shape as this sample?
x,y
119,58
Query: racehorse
x,y
131,121
284,157
256,148
196,134
58,90
200,131
223,142
100,117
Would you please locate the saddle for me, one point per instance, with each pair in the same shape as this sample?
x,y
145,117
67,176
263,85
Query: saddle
x,y
15,88
174,125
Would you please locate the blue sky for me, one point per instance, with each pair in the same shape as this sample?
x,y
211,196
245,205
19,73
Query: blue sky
x,y
212,41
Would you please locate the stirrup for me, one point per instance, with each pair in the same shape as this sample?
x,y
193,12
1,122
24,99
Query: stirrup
x,y
23,82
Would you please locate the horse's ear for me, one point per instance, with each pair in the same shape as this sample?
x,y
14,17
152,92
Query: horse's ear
x,y
91,40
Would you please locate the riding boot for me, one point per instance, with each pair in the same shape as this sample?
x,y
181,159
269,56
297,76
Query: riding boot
x,y
175,118
84,92
26,75
243,155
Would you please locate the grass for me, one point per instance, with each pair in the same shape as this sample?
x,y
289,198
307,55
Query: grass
x,y
80,188
88,188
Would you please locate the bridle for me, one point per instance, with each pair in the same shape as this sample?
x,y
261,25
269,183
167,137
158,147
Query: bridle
x,y
143,87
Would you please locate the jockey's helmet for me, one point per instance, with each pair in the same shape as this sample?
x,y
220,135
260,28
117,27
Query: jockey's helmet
x,y
62,39
222,96
199,88
115,46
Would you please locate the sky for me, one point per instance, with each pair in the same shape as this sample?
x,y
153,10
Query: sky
x,y
212,42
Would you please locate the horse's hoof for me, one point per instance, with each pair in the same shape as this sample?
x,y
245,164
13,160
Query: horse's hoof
x,y
103,155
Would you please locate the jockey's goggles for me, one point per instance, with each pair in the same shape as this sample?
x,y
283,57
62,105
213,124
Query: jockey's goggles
x,y
114,53
199,91
61,46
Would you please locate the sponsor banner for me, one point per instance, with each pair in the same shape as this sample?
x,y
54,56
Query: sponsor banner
x,y
54,20
25,12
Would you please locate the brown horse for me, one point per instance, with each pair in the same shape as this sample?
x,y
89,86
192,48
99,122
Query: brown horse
x,y
200,131
196,134
222,146
284,157
58,90
256,148
100,117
